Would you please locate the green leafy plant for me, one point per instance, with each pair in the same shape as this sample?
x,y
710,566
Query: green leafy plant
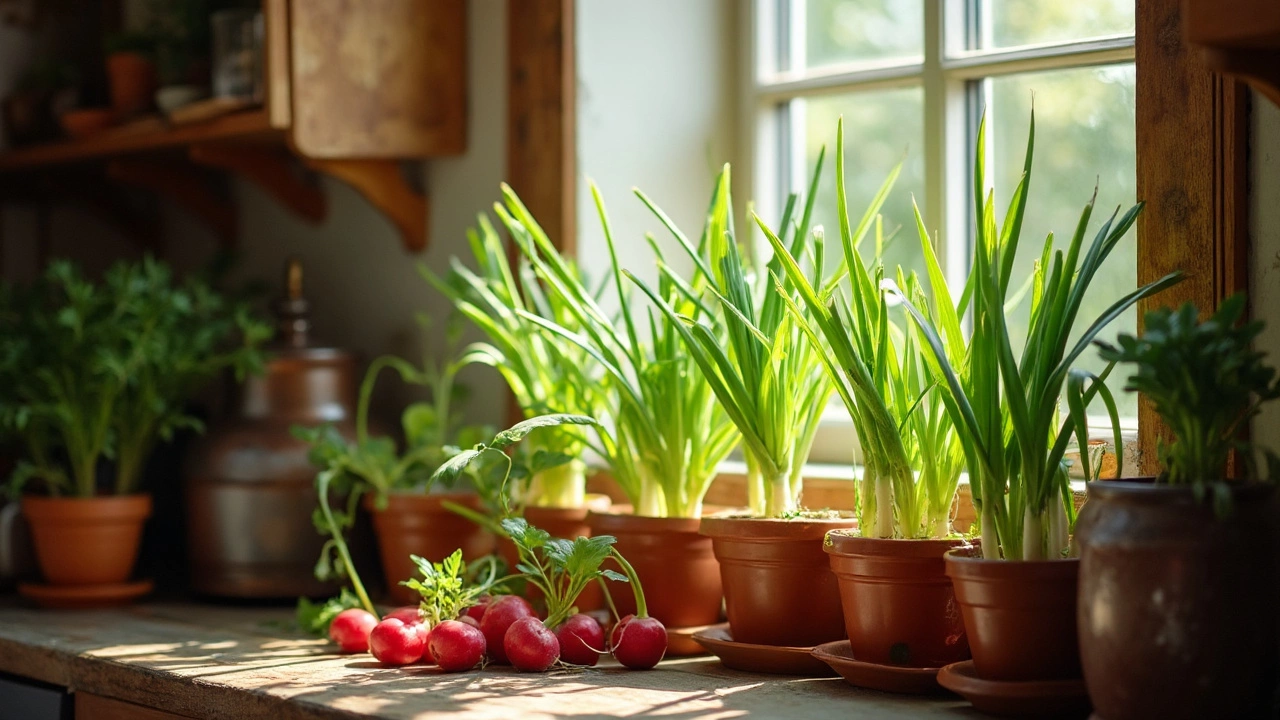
x,y
1206,383
560,568
669,433
314,618
767,376
1007,410
104,370
911,455
544,375
447,588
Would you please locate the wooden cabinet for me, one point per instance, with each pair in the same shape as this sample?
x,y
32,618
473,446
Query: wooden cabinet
x,y
351,90
97,707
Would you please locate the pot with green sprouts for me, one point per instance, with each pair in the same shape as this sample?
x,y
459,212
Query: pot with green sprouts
x,y
1201,534
666,434
898,602
96,375
1005,404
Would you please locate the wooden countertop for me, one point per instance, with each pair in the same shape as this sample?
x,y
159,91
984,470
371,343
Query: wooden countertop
x,y
216,662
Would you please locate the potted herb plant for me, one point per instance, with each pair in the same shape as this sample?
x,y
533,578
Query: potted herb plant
x,y
667,434
898,602
393,485
99,372
1177,573
770,381
1018,595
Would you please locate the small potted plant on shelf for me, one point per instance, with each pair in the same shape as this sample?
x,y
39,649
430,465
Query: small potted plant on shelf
x,y
668,434
131,73
898,601
1018,594
1177,582
770,381
395,487
98,372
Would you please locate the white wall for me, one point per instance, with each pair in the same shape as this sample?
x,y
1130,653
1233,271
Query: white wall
x,y
1264,281
657,110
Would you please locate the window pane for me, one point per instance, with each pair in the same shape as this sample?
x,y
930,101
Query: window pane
x,y
1084,136
880,127
1032,22
847,31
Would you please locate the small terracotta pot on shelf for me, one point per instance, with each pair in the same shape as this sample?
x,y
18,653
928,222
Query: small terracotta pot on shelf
x,y
86,122
778,584
132,79
899,605
676,565
419,524
1020,616
567,523
1177,609
86,541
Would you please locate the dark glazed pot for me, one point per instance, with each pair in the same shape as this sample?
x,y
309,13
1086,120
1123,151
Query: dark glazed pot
x,y
778,585
676,565
899,605
1020,616
567,523
420,524
1177,606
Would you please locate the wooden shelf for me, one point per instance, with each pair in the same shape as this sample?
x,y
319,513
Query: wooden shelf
x,y
1238,38
142,137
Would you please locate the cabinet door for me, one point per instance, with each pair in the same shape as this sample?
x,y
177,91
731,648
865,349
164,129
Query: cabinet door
x,y
96,707
24,700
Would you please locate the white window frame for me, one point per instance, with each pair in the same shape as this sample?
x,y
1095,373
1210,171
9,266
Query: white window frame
x,y
948,72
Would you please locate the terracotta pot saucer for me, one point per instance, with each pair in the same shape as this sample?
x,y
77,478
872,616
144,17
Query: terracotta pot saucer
x,y
885,678
768,659
83,597
1026,698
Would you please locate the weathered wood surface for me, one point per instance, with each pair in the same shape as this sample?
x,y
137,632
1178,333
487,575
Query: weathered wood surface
x,y
211,662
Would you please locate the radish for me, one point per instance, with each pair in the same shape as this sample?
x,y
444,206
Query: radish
x,y
637,641
476,612
408,614
501,614
351,628
581,640
395,642
530,646
456,646
469,620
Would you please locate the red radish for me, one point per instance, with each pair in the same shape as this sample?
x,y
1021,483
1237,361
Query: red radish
x,y
408,614
639,642
498,617
530,646
581,640
395,642
476,612
469,620
351,628
456,646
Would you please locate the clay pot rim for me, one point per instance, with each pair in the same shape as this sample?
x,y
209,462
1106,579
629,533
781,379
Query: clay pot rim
x,y
594,501
737,527
846,545
1146,491
413,501
961,566
609,522
136,506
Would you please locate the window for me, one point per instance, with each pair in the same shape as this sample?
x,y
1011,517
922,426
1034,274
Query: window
x,y
912,78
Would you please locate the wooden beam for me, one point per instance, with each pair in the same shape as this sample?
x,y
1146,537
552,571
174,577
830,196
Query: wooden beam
x,y
541,151
382,183
1192,128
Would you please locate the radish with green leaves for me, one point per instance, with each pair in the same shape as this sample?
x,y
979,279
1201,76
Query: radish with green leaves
x,y
396,642
638,641
446,594
456,645
501,614
351,628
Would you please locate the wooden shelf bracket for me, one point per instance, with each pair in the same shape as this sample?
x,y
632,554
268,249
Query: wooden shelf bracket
x,y
270,169
383,184
186,187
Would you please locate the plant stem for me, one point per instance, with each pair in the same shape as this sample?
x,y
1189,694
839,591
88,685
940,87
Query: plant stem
x,y
1032,534
563,486
340,544
990,534
1059,538
780,501
755,486
651,503
884,507
642,608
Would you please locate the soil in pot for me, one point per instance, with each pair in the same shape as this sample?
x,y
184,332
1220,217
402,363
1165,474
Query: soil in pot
x,y
132,78
87,541
419,524
1020,616
567,523
1177,606
899,605
778,584
676,565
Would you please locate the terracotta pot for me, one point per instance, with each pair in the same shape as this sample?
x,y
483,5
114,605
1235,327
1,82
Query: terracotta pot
x,y
132,77
87,541
86,122
419,524
1020,616
567,523
899,605
1177,606
778,585
676,565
